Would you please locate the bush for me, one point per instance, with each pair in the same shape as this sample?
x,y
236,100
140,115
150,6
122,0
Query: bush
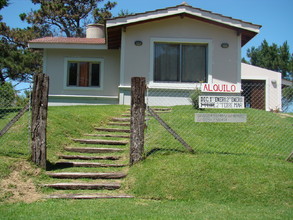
x,y
7,95
194,98
287,98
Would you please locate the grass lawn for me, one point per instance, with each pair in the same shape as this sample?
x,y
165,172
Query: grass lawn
x,y
140,209
168,184
264,133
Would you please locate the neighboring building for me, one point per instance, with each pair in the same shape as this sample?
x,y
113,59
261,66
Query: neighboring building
x,y
175,48
262,88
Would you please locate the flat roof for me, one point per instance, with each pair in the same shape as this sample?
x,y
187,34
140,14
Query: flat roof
x,y
68,43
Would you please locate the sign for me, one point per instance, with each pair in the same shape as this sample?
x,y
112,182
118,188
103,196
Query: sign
x,y
220,117
224,102
232,88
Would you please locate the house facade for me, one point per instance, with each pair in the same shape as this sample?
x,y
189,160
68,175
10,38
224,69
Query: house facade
x,y
175,49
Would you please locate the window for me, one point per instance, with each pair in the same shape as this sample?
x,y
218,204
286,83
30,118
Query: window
x,y
83,74
180,62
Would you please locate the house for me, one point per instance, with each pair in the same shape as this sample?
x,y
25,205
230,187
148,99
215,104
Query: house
x,y
262,88
175,48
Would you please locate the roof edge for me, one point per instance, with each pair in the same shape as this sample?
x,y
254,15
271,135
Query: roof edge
x,y
124,20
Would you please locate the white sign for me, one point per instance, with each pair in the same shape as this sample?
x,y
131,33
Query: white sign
x,y
227,88
225,102
220,117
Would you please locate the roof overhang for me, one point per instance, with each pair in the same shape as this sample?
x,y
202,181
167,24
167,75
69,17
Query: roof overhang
x,y
286,82
68,43
114,26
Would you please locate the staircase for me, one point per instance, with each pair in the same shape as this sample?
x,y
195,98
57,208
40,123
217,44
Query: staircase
x,y
96,163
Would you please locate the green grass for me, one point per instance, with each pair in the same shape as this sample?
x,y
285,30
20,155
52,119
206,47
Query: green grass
x,y
139,209
69,122
216,183
213,178
5,164
264,133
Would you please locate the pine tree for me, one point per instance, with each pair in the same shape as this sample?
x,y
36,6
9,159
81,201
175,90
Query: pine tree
x,y
17,62
273,57
68,17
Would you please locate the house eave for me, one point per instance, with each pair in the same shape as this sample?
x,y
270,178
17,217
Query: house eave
x,y
247,30
67,46
183,9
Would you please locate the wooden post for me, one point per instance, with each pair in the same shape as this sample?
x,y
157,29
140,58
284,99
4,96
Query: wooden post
x,y
137,123
39,119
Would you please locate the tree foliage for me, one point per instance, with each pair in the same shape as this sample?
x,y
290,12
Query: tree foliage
x,y
287,97
68,17
123,13
3,3
7,95
17,62
273,57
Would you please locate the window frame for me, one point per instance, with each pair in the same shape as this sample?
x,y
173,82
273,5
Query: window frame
x,y
78,60
177,84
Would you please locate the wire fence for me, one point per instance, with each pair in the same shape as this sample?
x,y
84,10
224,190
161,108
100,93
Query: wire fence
x,y
14,131
258,126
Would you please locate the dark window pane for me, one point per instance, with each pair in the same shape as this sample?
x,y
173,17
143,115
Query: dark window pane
x,y
95,77
167,62
72,72
193,63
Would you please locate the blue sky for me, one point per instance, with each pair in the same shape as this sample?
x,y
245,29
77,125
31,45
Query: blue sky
x,y
275,16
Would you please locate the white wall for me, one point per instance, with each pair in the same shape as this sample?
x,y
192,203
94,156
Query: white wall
x,y
273,84
224,64
54,66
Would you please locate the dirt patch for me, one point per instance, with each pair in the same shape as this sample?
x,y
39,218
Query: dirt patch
x,y
19,186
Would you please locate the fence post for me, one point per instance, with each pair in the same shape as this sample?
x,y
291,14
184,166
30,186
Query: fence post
x,y
39,119
137,125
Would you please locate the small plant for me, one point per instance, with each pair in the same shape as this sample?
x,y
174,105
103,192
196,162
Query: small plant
x,y
195,97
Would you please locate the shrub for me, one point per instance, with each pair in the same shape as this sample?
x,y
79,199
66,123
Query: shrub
x,y
194,98
7,95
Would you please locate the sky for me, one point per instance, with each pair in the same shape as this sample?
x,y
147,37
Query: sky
x,y
275,16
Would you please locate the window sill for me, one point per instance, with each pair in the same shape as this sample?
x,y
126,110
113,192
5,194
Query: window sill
x,y
76,88
175,85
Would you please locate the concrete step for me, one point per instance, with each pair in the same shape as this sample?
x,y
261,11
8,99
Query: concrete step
x,y
154,109
80,157
83,186
86,196
108,135
97,141
92,150
113,130
87,164
119,124
78,175
124,119
162,109
121,119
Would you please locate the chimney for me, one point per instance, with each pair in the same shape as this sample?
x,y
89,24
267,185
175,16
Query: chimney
x,y
95,31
